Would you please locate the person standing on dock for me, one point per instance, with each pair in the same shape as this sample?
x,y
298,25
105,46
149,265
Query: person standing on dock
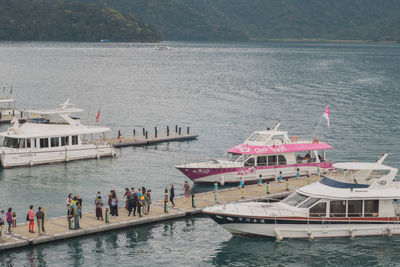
x,y
99,206
76,215
31,219
68,203
171,194
9,219
186,187
2,219
40,220
114,204
131,202
80,206
149,200
126,197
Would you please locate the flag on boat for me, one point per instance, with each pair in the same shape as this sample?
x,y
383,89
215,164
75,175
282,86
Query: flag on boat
x,y
326,115
98,116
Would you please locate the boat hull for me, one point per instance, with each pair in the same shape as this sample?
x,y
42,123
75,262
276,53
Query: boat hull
x,y
281,228
251,174
11,159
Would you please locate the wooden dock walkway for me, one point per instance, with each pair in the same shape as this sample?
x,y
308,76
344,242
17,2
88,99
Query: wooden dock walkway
x,y
57,228
151,140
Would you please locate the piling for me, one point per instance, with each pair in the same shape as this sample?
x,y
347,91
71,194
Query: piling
x,y
107,215
268,188
187,130
155,132
287,184
134,133
176,128
193,201
167,130
144,132
180,130
70,222
165,205
146,135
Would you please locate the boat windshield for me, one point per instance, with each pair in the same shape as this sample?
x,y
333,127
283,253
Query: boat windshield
x,y
294,199
11,142
253,137
231,156
309,202
243,158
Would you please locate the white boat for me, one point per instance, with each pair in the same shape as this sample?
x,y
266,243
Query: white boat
x,y
359,199
265,155
52,141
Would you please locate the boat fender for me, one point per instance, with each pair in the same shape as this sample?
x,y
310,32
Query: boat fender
x,y
315,141
310,235
389,232
222,180
294,139
278,234
351,232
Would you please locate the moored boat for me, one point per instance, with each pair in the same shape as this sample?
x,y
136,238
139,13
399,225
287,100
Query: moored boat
x,y
358,199
265,155
52,140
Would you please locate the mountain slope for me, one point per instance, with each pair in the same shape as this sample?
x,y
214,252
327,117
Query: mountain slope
x,y
28,20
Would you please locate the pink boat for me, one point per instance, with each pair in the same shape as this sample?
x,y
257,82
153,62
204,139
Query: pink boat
x,y
265,155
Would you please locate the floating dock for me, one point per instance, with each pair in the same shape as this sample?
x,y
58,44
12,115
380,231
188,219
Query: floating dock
x,y
147,138
57,228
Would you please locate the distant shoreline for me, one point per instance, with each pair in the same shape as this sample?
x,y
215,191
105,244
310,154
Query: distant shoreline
x,y
306,40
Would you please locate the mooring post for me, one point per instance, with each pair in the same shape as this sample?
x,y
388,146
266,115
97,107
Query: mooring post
x,y
14,219
180,130
21,114
146,135
260,180
70,222
155,132
167,130
176,128
193,201
134,133
107,220
187,132
166,205
144,132
287,184
215,192
268,188
298,173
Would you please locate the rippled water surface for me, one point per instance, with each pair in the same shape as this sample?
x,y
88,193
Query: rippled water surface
x,y
223,92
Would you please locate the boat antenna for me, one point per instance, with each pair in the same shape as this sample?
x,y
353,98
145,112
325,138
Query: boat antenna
x,y
276,126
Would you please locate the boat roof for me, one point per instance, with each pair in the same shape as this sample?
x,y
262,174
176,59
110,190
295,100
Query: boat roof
x,y
6,100
331,189
361,166
275,149
37,130
54,111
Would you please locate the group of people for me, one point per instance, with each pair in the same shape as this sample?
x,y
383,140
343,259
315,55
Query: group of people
x,y
74,209
6,217
10,218
137,200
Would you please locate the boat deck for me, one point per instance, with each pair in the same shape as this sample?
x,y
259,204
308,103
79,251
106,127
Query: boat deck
x,y
57,228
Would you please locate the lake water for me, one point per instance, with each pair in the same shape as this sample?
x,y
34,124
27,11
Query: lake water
x,y
224,92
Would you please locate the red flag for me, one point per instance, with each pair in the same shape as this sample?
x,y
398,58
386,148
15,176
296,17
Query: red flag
x,y
326,115
98,116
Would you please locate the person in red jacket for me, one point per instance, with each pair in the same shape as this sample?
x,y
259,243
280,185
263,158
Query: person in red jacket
x,y
31,218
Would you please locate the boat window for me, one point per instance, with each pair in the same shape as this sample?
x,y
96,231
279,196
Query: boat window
x,y
249,162
21,143
74,140
262,161
371,208
294,199
354,208
318,210
34,141
231,156
254,136
281,160
338,208
243,158
55,141
278,137
309,202
28,143
271,160
11,142
64,140
263,137
44,142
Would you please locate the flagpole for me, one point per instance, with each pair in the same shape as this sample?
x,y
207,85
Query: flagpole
x,y
316,128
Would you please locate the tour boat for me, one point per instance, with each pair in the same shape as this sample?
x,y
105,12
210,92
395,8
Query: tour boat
x,y
357,199
52,140
265,155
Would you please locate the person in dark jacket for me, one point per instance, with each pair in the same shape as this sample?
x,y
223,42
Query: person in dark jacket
x,y
172,194
40,220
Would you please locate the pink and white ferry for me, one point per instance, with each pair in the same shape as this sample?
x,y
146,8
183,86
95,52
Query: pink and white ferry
x,y
265,155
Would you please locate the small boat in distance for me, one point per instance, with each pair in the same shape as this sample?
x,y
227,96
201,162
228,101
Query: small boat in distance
x,y
265,155
163,48
52,140
359,199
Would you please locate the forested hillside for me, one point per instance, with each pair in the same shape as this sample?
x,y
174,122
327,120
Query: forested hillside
x,y
266,19
30,20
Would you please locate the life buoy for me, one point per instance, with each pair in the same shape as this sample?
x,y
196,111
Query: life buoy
x,y
315,141
294,139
